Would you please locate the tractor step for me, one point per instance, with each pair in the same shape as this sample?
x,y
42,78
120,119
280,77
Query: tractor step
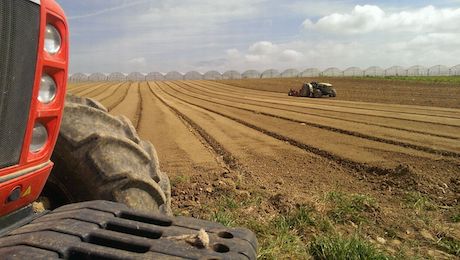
x,y
109,230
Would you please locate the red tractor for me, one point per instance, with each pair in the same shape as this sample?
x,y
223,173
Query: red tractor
x,y
87,157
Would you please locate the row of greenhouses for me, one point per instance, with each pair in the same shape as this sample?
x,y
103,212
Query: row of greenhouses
x,y
374,71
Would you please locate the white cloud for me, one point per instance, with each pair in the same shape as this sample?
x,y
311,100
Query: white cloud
x,y
204,35
369,18
263,55
137,61
254,58
263,48
108,10
290,55
233,53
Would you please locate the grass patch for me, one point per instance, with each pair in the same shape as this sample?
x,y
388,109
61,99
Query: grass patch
x,y
334,246
454,214
350,207
280,241
225,218
449,245
179,179
426,79
279,238
419,202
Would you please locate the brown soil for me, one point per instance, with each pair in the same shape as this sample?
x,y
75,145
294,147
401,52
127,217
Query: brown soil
x,y
368,90
248,138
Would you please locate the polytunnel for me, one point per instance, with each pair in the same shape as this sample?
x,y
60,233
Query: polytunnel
x,y
455,70
78,77
251,74
332,72
417,70
395,71
152,76
290,73
438,70
174,75
193,75
117,76
231,74
212,75
310,72
353,72
374,71
271,73
136,76
97,77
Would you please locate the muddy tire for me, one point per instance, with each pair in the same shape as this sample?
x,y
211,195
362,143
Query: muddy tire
x,y
317,93
100,157
333,93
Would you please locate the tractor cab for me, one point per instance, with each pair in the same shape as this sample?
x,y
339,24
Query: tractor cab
x,y
325,88
313,90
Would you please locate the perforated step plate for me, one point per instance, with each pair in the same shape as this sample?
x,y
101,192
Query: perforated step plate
x,y
108,230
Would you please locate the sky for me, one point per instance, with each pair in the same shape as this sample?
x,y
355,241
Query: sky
x,y
202,35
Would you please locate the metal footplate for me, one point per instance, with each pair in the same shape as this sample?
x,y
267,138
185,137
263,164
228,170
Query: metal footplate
x,y
108,230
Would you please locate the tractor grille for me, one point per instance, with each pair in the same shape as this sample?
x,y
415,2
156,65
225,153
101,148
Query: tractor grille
x,y
19,29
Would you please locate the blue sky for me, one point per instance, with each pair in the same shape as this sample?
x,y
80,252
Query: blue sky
x,y
185,35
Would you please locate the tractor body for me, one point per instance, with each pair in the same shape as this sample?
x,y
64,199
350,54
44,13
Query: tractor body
x,y
33,77
29,121
314,90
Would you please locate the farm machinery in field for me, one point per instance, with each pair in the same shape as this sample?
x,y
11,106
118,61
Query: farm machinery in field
x,y
314,90
102,194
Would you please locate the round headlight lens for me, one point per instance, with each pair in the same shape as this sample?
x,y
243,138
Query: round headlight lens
x,y
39,138
52,40
47,91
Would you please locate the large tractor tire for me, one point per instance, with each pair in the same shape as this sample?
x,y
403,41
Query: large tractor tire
x,y
317,93
333,93
100,157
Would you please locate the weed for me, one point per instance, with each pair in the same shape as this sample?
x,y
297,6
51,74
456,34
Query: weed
x,y
350,207
449,245
300,219
334,246
391,232
454,214
229,203
280,239
427,79
224,218
180,179
419,202
455,218
324,225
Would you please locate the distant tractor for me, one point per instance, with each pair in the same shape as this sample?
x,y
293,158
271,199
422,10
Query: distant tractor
x,y
314,90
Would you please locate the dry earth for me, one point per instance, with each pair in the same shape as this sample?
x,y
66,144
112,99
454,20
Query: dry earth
x,y
245,146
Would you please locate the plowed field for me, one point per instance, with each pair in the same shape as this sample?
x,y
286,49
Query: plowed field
x,y
245,155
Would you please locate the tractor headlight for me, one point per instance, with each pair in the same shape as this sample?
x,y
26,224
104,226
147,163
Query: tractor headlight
x,y
47,91
39,138
52,40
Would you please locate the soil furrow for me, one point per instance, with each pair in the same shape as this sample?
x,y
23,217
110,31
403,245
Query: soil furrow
x,y
96,88
323,153
181,150
129,106
217,148
331,105
337,130
103,93
259,90
139,108
116,97
365,121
